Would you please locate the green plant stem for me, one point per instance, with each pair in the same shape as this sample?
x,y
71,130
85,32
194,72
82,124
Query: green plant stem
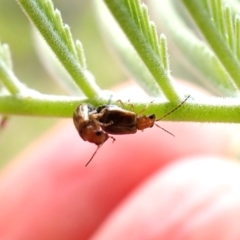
x,y
60,47
191,52
237,34
229,27
9,80
42,105
120,11
125,52
214,38
206,110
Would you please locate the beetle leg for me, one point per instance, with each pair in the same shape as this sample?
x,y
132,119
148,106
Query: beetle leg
x,y
94,118
113,139
123,106
98,149
121,103
105,124
144,109
131,106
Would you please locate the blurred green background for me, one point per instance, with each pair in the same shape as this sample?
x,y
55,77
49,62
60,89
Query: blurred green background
x,y
15,30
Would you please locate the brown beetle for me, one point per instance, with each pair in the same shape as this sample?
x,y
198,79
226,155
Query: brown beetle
x,y
94,125
119,121
89,128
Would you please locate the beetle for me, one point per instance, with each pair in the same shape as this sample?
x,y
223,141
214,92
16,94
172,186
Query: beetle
x,y
119,121
89,128
94,125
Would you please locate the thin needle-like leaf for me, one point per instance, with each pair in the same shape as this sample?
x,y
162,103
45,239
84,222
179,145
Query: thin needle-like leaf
x,y
139,31
49,23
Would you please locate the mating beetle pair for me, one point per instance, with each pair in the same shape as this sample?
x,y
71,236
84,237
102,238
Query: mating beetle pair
x,y
94,125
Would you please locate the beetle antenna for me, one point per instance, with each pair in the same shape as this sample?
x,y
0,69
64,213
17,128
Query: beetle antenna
x,y
93,155
170,113
180,104
164,130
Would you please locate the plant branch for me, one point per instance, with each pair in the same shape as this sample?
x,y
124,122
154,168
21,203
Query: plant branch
x,y
48,22
125,51
9,80
152,50
120,10
211,33
192,52
204,110
38,105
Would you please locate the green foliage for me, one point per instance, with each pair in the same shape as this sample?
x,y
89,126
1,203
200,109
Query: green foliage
x,y
213,60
